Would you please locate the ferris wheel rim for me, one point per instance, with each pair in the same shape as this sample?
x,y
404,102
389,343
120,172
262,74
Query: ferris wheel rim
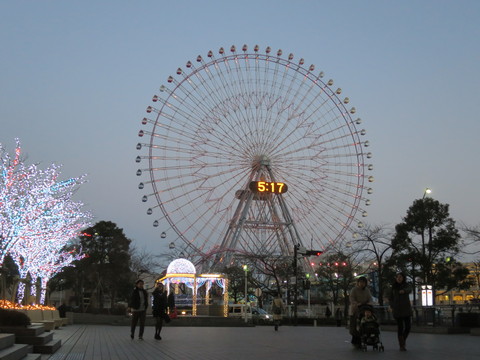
x,y
258,57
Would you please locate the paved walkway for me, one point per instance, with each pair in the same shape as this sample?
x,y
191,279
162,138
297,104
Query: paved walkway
x,y
92,342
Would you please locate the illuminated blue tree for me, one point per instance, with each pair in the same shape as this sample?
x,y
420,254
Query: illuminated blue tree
x,y
37,214
53,264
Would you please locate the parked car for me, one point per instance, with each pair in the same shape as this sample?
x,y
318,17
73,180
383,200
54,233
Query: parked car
x,y
260,316
238,310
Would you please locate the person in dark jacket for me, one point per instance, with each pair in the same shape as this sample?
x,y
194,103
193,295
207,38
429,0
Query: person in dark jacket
x,y
401,308
159,308
138,305
171,301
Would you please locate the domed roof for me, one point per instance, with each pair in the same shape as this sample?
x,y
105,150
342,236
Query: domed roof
x,y
181,266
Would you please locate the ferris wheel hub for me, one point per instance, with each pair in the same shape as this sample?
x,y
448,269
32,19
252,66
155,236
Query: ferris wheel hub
x,y
260,161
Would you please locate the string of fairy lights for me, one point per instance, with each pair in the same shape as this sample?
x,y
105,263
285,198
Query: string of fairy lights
x,y
38,218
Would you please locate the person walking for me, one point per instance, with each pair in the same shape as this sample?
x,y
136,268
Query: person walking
x,y
338,317
359,295
277,308
159,308
399,302
138,305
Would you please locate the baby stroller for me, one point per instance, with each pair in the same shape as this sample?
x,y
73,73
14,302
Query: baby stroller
x,y
369,329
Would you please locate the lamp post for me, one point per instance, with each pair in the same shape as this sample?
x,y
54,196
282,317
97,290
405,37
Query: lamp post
x,y
245,268
426,192
307,287
295,273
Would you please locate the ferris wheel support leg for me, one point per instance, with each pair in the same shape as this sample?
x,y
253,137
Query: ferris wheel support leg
x,y
296,240
231,237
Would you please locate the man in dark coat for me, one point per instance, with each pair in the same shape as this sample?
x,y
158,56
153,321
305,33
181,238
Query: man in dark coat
x,y
138,307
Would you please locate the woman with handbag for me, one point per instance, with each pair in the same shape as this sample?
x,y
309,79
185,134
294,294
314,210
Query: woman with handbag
x,y
402,309
277,309
159,308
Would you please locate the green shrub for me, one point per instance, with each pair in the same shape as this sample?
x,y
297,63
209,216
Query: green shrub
x,y
13,318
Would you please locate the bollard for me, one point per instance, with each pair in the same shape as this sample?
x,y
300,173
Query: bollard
x,y
314,322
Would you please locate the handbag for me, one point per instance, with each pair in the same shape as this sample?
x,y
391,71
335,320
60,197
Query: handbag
x,y
166,318
277,310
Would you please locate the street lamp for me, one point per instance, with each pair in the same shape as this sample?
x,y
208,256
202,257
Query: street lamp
x,y
426,192
245,268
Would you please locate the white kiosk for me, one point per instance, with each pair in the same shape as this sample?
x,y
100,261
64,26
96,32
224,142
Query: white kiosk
x,y
182,271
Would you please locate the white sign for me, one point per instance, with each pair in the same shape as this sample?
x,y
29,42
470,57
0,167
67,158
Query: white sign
x,y
427,295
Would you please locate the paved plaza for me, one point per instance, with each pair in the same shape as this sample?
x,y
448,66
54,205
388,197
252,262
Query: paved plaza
x,y
105,342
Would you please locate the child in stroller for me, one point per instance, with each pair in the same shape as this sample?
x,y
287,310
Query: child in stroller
x,y
369,329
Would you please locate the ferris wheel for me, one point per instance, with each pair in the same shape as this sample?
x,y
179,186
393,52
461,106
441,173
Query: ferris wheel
x,y
227,131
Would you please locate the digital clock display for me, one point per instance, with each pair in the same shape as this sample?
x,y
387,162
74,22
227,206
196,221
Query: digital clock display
x,y
268,187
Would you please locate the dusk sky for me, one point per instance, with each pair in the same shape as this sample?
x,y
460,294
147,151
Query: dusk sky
x,y
76,77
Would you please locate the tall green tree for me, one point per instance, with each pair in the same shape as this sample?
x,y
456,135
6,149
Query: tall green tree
x,y
451,274
105,273
424,240
236,282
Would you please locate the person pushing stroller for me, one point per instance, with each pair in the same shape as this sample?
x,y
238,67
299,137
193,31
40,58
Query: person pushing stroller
x,y
359,295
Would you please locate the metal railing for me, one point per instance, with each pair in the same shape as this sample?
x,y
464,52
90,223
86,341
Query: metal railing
x,y
439,315
458,315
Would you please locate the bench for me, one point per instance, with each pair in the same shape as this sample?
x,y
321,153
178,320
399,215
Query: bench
x,y
36,316
56,317
48,316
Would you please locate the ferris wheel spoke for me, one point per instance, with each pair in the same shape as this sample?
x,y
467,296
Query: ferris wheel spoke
x,y
195,228
195,187
244,99
323,204
328,223
215,96
320,136
206,94
198,94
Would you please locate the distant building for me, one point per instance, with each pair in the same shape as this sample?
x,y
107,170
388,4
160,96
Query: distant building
x,y
463,296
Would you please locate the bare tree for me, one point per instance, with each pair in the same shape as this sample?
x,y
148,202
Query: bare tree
x,y
376,242
273,271
337,271
471,240
144,262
